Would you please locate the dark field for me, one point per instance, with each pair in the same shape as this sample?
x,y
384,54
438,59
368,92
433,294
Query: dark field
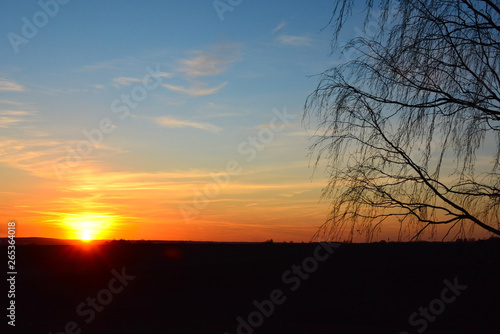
x,y
204,288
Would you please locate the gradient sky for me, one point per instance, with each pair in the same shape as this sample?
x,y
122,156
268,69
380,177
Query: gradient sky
x,y
217,85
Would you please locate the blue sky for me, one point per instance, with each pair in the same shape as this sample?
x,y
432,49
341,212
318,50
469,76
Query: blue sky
x,y
219,82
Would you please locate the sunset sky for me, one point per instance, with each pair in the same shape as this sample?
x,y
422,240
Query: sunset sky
x,y
162,119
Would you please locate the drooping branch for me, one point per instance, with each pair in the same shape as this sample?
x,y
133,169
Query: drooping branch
x,y
422,95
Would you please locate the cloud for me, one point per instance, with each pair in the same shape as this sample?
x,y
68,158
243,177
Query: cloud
x,y
52,91
126,81
294,40
35,133
10,86
16,113
32,155
11,117
5,122
105,65
190,69
177,123
301,134
209,114
13,103
124,63
197,90
213,62
279,27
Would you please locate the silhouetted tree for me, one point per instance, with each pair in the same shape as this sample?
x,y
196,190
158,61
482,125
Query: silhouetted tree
x,y
407,126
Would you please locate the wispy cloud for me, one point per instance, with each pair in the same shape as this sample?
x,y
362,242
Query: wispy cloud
x,y
279,27
301,134
10,117
104,65
13,103
5,122
32,155
99,86
209,114
199,63
209,63
198,89
35,133
177,123
294,40
10,86
213,62
124,63
126,81
38,154
16,113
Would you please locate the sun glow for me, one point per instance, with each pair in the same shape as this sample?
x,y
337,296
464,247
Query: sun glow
x,y
86,236
89,226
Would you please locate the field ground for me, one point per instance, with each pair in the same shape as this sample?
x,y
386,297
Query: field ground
x,y
205,287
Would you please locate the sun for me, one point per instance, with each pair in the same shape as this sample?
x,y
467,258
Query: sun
x,y
88,226
86,236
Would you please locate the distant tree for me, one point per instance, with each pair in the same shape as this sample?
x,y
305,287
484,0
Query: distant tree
x,y
407,124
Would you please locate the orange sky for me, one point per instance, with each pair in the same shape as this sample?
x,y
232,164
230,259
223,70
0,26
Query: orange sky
x,y
114,205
